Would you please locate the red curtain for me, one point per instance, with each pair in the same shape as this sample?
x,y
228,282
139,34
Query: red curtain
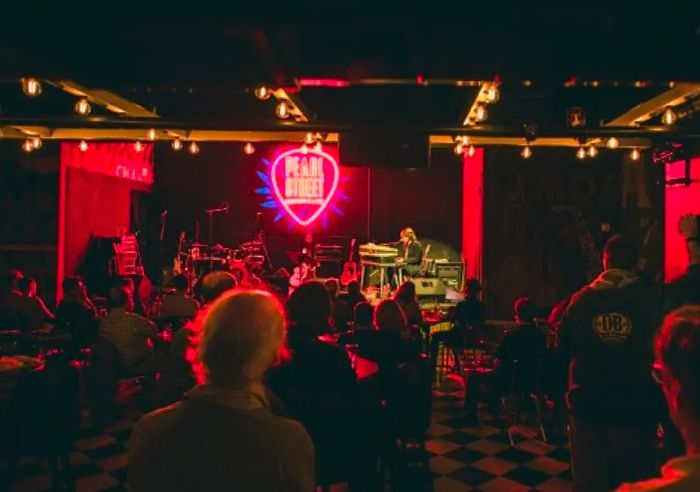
x,y
473,213
679,200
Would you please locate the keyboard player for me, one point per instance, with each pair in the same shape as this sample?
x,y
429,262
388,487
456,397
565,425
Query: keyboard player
x,y
410,256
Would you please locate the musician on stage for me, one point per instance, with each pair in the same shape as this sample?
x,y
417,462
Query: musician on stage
x,y
410,255
308,247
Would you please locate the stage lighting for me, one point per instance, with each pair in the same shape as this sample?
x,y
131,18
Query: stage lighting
x,y
193,148
138,146
31,86
635,155
669,116
282,110
36,142
151,134
83,145
82,106
613,143
262,92
481,114
248,149
526,152
592,151
27,145
177,144
581,152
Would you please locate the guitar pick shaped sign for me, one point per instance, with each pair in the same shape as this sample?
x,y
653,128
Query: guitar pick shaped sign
x,y
304,182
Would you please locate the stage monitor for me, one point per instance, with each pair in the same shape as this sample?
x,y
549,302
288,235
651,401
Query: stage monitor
x,y
383,148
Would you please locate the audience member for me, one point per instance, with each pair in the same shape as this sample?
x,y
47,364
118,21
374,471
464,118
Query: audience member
x,y
30,308
178,304
394,341
132,335
525,344
354,295
341,314
686,288
10,295
677,371
605,339
362,316
223,434
76,314
406,298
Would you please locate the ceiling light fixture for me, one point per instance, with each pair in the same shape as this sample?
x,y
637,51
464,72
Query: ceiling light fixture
x,y
248,149
36,142
151,134
613,143
27,145
669,117
581,153
635,154
31,86
138,146
263,92
82,106
481,114
592,151
493,94
193,148
83,145
282,110
526,152
177,144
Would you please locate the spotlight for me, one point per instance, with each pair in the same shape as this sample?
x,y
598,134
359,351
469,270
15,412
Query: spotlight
x,y
309,138
669,116
635,155
193,148
471,151
481,114
493,94
151,134
31,86
27,145
282,110
459,148
82,107
36,142
138,146
177,144
581,152
83,145
248,149
526,152
613,143
262,92
592,151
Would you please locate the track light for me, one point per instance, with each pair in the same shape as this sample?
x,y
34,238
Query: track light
x,y
581,152
36,142
31,86
526,152
82,106
635,154
151,134
592,151
282,110
248,149
27,145
262,92
193,148
177,144
481,114
493,94
669,116
138,146
83,145
613,143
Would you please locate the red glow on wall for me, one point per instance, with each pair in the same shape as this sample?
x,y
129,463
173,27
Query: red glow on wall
x,y
121,159
335,83
304,182
679,200
472,213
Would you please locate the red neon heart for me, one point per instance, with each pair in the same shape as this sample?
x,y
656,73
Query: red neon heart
x,y
329,192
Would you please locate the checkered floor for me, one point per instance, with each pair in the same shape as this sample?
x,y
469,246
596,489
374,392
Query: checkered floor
x,y
462,458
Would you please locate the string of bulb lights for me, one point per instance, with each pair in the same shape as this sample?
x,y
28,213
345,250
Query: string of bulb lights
x,y
32,87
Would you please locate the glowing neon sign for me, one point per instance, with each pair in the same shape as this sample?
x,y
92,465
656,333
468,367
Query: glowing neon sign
x,y
304,182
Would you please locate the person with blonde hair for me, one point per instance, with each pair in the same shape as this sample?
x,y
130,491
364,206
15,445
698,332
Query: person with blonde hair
x,y
223,435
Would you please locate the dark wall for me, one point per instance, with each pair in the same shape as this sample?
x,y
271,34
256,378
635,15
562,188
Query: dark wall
x,y
532,236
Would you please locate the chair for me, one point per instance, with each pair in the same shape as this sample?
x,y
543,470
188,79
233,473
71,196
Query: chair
x,y
525,384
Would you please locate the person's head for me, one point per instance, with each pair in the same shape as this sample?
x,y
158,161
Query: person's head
x,y
333,287
27,285
524,310
388,316
472,287
354,288
74,289
242,335
362,315
120,298
179,283
214,284
677,367
406,292
309,307
620,252
407,235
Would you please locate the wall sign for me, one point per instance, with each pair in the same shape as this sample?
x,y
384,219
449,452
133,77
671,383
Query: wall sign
x,y
118,159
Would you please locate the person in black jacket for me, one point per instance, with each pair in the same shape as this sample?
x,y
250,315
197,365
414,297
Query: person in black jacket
x,y
605,340
410,252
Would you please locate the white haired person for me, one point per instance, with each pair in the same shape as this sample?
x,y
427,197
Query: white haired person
x,y
222,435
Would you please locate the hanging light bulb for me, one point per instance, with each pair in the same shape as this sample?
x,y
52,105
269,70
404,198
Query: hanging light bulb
x,y
31,86
193,148
592,151
138,146
177,144
471,150
459,148
248,149
635,154
27,145
669,116
613,143
526,153
309,138
83,145
262,92
581,152
304,148
493,94
82,106
151,134
481,114
36,142
318,147
282,110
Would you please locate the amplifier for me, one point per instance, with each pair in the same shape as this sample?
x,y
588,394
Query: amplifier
x,y
451,273
429,287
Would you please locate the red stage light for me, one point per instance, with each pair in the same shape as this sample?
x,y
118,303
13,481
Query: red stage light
x,y
337,83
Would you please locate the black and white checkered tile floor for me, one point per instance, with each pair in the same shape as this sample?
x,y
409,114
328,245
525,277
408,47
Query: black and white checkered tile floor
x,y
462,457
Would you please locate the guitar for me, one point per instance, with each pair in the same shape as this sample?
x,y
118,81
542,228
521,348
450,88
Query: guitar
x,y
177,262
349,268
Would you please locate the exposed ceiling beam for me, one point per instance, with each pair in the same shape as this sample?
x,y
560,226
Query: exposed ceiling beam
x,y
448,141
109,100
296,108
480,99
654,106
